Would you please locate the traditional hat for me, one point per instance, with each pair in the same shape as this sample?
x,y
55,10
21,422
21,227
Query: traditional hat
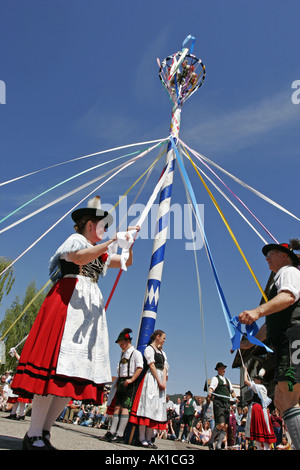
x,y
93,209
124,335
189,393
260,375
285,248
219,364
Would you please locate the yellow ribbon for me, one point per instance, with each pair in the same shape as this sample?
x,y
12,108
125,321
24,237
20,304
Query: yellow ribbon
x,y
228,227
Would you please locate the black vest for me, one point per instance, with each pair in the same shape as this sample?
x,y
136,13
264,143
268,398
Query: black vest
x,y
159,359
278,322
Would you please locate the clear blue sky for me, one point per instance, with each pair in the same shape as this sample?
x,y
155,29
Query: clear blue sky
x,y
81,77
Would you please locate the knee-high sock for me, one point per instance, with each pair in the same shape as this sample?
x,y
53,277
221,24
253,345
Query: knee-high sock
x,y
149,434
114,424
214,435
142,432
40,408
14,409
122,424
292,421
56,407
221,438
22,409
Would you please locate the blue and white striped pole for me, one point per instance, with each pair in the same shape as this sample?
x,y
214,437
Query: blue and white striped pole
x,y
149,312
177,74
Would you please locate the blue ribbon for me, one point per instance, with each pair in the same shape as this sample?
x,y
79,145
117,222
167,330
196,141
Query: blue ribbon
x,y
249,334
187,40
224,305
234,326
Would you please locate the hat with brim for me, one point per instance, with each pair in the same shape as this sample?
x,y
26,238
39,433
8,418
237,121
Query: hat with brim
x,y
258,377
283,247
124,335
93,210
220,364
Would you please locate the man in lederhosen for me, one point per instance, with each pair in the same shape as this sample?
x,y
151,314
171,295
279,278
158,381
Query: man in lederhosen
x,y
282,330
221,389
129,368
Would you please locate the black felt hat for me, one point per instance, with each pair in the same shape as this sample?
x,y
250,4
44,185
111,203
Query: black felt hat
x,y
285,248
219,364
124,335
93,209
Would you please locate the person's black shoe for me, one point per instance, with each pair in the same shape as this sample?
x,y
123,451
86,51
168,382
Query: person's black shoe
x,y
28,443
151,445
117,438
46,440
106,436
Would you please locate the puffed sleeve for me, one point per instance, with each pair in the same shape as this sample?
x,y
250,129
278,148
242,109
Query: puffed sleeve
x,y
149,355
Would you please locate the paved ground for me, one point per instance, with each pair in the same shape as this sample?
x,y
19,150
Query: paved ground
x,y
71,437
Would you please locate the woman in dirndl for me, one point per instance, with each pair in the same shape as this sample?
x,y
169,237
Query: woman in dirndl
x,y
66,354
18,403
149,409
258,425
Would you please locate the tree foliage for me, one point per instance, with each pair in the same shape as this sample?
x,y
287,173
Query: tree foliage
x,y
22,327
7,279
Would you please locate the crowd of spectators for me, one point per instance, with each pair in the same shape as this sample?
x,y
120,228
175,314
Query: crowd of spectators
x,y
203,423
88,414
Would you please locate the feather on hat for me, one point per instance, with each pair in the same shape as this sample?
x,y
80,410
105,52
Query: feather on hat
x,y
93,209
124,335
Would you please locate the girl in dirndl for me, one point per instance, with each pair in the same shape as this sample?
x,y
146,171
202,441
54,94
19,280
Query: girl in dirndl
x,y
258,425
66,354
149,408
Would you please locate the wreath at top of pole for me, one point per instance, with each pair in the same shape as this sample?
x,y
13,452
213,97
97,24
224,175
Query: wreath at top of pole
x,y
181,74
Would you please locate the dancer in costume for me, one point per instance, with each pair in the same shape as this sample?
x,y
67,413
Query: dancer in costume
x,y
18,402
258,425
189,411
222,389
282,330
149,406
66,354
129,368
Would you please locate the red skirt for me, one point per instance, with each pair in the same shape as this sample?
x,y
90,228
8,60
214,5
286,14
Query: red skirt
x,y
142,420
19,400
258,427
36,372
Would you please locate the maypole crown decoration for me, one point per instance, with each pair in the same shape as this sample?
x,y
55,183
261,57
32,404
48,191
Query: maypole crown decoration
x,y
181,75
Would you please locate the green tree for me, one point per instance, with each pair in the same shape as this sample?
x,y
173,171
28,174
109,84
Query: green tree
x,y
7,279
23,324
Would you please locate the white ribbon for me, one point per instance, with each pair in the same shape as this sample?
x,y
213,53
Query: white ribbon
x,y
125,239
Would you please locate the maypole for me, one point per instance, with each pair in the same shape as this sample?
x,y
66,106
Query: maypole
x,y
180,77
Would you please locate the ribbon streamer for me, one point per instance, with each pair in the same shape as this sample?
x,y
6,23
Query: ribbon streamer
x,y
224,305
232,327
249,334
81,158
230,231
74,207
240,201
245,185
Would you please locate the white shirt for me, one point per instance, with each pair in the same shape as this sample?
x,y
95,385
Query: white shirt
x,y
288,279
170,405
136,361
214,382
